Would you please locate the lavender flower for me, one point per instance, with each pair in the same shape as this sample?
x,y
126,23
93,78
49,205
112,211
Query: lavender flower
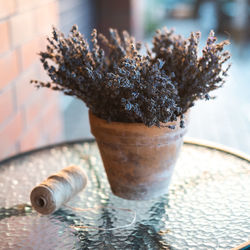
x,y
119,84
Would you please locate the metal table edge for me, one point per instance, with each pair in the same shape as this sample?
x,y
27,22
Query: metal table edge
x,y
217,146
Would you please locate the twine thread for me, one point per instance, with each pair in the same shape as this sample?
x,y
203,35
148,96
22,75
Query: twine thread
x,y
101,228
59,188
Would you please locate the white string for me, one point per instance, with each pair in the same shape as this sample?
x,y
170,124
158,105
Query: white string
x,y
101,228
57,189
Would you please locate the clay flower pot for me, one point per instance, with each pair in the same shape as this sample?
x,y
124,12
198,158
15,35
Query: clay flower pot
x,y
138,160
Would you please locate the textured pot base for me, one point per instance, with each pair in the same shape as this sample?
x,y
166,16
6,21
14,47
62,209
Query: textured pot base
x,y
150,190
139,194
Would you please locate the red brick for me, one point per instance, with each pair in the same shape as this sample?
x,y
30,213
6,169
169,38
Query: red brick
x,y
34,109
24,5
9,68
29,52
43,41
7,8
51,117
30,138
22,28
45,130
52,94
24,89
11,131
52,113
6,105
7,152
46,16
55,132
43,141
4,41
43,76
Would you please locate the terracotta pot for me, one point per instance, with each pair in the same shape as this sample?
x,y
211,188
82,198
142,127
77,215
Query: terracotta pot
x,y
138,160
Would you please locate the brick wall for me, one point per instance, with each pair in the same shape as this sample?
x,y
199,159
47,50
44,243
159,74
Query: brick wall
x,y
29,117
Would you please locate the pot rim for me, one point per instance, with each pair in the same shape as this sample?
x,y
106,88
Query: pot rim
x,y
142,125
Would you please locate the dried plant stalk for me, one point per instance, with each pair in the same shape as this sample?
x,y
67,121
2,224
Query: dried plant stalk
x,y
117,83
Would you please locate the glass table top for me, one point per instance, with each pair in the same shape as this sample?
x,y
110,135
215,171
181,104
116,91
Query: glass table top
x,y
207,207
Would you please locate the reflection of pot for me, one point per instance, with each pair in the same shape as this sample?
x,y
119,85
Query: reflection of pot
x,y
138,160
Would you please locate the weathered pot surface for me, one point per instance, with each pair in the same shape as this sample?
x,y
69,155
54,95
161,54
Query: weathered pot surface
x,y
138,160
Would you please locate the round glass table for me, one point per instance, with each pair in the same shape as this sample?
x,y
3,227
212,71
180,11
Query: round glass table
x,y
207,207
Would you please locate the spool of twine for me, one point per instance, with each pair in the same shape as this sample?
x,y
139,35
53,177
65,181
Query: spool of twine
x,y
58,189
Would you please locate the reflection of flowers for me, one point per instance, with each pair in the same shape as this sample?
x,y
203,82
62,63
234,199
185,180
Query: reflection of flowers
x,y
123,85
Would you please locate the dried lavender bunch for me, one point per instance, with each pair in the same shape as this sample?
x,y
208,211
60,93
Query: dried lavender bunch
x,y
71,65
117,83
119,86
196,76
142,92
138,88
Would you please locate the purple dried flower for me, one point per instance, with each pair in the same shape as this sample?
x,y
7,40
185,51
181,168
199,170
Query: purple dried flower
x,y
117,83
